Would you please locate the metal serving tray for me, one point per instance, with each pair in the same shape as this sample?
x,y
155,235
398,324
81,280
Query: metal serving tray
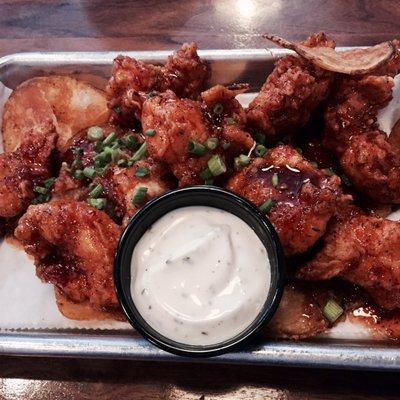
x,y
252,66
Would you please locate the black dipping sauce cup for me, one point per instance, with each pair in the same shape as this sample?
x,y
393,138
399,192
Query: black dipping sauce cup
x,y
210,196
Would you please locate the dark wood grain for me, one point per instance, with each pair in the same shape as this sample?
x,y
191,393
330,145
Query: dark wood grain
x,y
46,25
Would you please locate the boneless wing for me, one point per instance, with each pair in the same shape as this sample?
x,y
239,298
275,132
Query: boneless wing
x,y
302,198
73,245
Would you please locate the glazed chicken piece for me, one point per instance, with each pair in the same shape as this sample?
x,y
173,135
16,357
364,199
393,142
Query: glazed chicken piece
x,y
364,152
291,93
176,122
184,73
298,198
363,250
21,169
73,245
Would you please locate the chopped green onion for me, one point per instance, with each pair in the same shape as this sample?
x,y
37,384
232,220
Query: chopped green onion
x,y
216,165
275,180
226,145
96,191
77,151
150,132
241,161
130,142
332,311
95,133
99,203
209,181
99,146
212,143
140,194
89,172
117,110
260,150
299,150
40,189
259,137
78,174
196,148
152,94
140,153
206,174
101,159
48,183
110,139
329,172
101,170
41,198
266,206
231,121
122,162
142,171
218,108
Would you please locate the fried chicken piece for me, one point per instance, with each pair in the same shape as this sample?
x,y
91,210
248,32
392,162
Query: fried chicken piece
x,y
303,198
184,73
363,250
73,245
364,152
291,92
21,169
176,122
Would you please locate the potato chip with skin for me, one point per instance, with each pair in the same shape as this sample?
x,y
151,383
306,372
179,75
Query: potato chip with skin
x,y
350,62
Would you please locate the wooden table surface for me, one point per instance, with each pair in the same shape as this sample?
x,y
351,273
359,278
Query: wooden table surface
x,y
146,24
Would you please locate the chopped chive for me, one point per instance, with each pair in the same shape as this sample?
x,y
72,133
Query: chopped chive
x,y
122,162
41,198
140,194
241,161
206,174
99,146
101,159
152,93
216,165
140,153
196,148
266,206
110,139
218,108
116,155
329,172
95,133
212,143
150,132
142,171
117,110
89,172
77,164
231,121
48,183
209,182
259,137
40,189
226,145
77,151
332,311
260,150
101,170
96,191
275,180
78,174
99,203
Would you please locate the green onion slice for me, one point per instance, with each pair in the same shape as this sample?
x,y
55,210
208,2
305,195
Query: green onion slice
x,y
218,108
142,171
206,174
259,137
216,165
78,174
231,121
40,189
241,161
89,172
212,143
152,94
48,183
266,206
95,133
99,203
140,194
122,163
260,150
110,139
329,172
150,132
196,148
332,311
140,153
130,142
117,110
96,191
275,180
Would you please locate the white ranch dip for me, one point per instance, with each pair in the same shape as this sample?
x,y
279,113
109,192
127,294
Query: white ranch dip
x,y
200,275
